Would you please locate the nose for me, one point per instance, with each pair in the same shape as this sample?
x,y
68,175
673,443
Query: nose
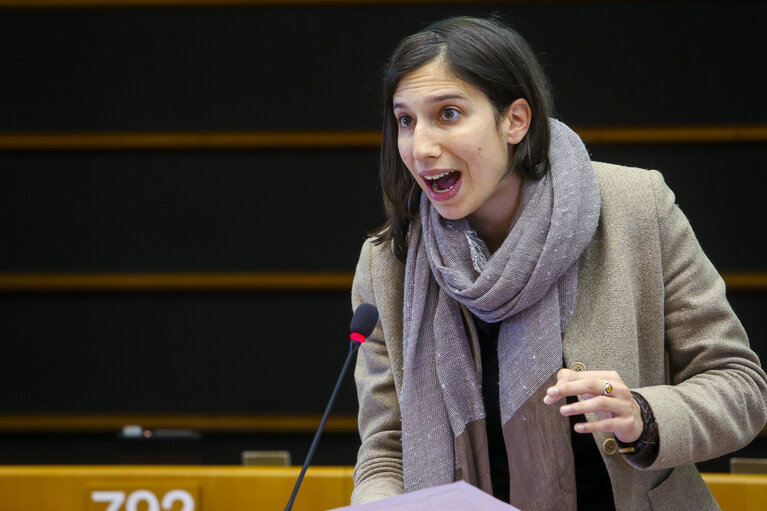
x,y
426,142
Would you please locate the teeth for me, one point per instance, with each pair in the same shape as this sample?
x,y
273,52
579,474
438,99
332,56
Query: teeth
x,y
444,191
436,176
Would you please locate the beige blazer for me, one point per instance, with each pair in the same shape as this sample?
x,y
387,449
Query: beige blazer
x,y
650,306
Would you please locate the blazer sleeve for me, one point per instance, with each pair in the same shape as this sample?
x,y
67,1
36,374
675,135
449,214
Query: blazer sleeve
x,y
716,401
378,472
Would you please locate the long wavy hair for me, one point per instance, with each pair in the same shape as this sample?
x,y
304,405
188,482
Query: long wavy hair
x,y
493,58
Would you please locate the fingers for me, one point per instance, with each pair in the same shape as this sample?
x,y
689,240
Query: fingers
x,y
616,415
616,410
586,384
614,425
591,387
603,406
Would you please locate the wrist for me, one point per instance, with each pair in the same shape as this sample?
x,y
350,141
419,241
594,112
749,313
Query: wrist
x,y
635,433
645,448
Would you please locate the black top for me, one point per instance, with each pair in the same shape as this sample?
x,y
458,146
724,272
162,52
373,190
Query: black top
x,y
591,479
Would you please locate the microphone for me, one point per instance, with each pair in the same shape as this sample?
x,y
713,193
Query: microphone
x,y
363,322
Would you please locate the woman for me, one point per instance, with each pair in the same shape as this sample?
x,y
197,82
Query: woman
x,y
521,286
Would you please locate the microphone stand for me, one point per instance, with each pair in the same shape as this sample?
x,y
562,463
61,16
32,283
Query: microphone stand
x,y
354,345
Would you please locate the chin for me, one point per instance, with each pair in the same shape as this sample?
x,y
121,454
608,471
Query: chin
x,y
450,213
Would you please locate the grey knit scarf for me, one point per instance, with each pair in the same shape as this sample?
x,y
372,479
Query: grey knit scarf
x,y
528,285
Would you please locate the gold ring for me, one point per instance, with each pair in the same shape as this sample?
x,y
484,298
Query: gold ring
x,y
608,387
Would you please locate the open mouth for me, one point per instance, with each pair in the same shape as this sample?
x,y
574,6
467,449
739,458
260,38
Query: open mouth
x,y
443,183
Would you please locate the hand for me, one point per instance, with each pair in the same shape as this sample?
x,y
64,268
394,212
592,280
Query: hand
x,y
618,411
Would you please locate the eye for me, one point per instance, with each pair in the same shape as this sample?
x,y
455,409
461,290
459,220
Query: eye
x,y
450,114
404,121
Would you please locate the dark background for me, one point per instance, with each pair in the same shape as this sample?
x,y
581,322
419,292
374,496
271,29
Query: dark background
x,y
304,68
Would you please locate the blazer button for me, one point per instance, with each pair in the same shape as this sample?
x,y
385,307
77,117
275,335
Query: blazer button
x,y
610,446
578,367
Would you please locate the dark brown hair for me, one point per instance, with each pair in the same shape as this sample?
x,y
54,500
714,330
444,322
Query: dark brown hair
x,y
493,58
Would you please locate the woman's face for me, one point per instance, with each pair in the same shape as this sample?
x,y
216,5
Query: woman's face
x,y
451,142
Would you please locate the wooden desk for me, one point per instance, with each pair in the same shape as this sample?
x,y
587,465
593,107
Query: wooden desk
x,y
738,492
209,488
172,488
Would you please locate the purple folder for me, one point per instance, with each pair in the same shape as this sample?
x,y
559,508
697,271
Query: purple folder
x,y
458,496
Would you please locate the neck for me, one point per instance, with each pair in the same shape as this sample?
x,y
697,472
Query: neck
x,y
493,219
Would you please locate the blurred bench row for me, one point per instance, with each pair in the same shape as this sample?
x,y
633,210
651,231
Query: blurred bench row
x,y
352,139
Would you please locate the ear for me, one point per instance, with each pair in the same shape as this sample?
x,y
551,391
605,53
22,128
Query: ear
x,y
518,118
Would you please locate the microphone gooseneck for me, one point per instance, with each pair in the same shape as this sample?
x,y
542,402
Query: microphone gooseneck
x,y
363,323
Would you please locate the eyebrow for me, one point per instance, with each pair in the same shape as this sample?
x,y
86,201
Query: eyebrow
x,y
437,99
